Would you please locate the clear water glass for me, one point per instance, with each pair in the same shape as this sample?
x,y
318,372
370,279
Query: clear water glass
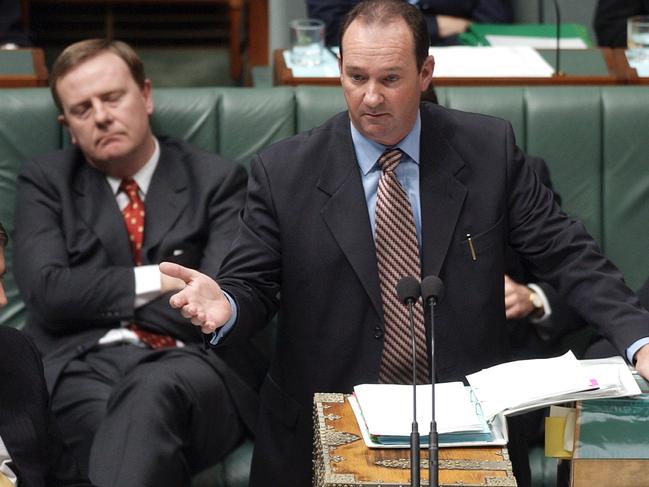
x,y
307,42
638,38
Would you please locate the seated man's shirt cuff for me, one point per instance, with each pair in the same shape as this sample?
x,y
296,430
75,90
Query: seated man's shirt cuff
x,y
147,284
547,309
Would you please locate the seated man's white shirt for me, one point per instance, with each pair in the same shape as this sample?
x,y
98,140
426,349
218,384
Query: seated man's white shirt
x,y
5,461
547,309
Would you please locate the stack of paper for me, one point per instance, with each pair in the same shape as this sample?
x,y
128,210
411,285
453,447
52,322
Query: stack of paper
x,y
384,415
530,384
489,62
475,415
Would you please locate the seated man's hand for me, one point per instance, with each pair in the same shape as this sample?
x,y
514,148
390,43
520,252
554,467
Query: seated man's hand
x,y
517,300
201,301
450,26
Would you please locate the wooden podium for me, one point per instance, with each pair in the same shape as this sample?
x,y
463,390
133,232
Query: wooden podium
x,y
341,458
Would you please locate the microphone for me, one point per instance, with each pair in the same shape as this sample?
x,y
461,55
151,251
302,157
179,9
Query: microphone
x,y
408,291
432,291
557,51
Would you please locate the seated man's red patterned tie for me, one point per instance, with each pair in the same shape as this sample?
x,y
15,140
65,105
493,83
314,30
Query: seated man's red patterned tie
x,y
134,219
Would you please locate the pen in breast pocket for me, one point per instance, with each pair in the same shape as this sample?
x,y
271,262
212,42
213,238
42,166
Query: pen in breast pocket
x,y
471,247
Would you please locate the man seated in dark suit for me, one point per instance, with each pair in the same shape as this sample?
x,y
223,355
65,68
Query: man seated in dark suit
x,y
446,19
32,453
611,18
138,397
11,33
336,216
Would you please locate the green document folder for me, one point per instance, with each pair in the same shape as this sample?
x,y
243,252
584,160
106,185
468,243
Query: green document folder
x,y
614,428
476,34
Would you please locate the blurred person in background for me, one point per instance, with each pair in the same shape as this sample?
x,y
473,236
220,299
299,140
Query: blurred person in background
x,y
610,20
446,19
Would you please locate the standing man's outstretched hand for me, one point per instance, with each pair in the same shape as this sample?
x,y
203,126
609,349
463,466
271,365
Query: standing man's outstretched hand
x,y
201,301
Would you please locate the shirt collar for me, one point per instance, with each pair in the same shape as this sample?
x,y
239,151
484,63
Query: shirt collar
x,y
368,151
143,176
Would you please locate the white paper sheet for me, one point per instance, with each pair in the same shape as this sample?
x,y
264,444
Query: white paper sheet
x,y
489,62
537,42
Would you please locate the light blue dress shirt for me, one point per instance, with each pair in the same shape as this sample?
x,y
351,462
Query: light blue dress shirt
x,y
407,172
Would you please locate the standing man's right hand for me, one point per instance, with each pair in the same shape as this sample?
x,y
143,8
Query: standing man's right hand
x,y
201,301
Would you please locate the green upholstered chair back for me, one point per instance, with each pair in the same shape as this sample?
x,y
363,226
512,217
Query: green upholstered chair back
x,y
593,138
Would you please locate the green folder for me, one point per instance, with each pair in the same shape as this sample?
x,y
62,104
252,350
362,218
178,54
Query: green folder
x,y
476,34
614,429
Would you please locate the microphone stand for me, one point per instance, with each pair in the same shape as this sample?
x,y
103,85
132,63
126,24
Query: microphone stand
x,y
433,438
414,434
557,51
432,290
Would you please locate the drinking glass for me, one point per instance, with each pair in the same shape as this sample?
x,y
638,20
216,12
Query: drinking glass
x,y
307,42
638,38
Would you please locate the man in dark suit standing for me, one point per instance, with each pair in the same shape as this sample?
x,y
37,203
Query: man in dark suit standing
x,y
137,395
323,212
32,453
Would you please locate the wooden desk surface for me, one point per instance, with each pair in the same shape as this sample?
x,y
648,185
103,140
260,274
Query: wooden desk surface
x,y
342,459
614,70
22,68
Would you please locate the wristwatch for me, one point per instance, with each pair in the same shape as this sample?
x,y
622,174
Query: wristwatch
x,y
537,302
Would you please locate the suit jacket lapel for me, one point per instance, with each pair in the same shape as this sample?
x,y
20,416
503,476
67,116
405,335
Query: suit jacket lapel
x,y
442,194
345,212
166,198
98,208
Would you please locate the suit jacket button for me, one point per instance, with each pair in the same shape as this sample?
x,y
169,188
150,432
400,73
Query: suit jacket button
x,y
378,333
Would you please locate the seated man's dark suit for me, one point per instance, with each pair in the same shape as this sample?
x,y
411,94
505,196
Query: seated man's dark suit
x,y
78,283
27,426
305,249
332,13
611,18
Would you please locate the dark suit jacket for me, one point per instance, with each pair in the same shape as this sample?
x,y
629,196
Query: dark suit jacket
x,y
306,233
610,20
27,426
564,329
332,13
73,262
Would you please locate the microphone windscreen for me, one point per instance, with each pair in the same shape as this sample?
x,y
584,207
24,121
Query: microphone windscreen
x,y
408,289
432,287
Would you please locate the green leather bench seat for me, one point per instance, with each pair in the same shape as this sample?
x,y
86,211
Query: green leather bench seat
x,y
594,139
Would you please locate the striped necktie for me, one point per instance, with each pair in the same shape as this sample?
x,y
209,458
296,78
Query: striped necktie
x,y
397,255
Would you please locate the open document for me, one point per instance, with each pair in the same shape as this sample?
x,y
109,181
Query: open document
x,y
384,415
475,415
530,384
